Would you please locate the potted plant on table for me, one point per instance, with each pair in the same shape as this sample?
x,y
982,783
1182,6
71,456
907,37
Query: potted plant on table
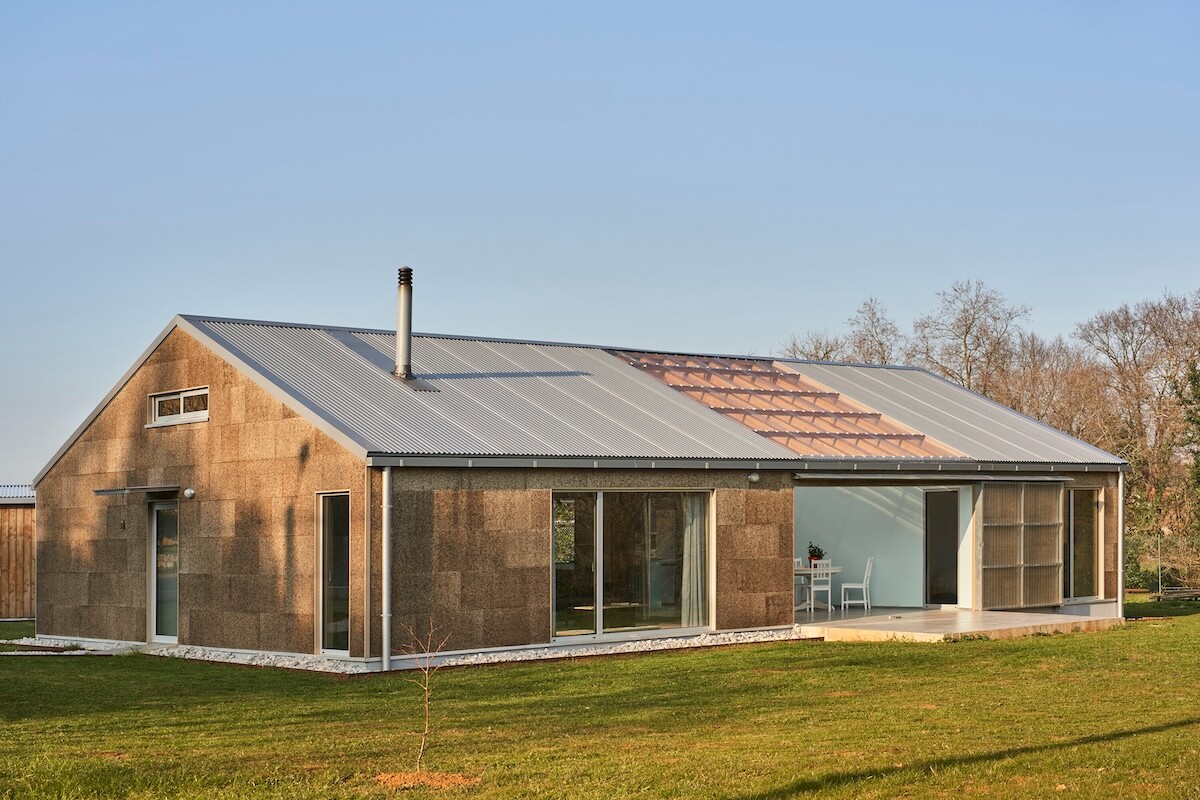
x,y
815,553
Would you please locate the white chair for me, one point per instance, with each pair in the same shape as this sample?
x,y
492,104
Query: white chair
x,y
798,583
821,580
864,587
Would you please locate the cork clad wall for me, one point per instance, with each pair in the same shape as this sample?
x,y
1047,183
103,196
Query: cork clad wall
x,y
247,541
473,554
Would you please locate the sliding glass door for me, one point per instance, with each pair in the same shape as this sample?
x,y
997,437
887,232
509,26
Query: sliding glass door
x,y
630,561
1080,546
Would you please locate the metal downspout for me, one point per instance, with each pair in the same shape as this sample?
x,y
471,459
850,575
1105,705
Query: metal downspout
x,y
386,567
1121,544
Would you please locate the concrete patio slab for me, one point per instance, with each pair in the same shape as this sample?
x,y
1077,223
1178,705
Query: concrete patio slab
x,y
940,625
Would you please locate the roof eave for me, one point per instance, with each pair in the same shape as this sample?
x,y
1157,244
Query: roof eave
x,y
931,467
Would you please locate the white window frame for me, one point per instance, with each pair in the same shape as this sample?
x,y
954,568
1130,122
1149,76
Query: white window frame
x,y
181,418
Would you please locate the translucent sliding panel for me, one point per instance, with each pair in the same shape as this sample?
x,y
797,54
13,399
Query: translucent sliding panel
x,y
1043,503
1022,545
1002,545
654,560
574,563
1042,586
166,571
1043,544
1001,587
335,555
1002,504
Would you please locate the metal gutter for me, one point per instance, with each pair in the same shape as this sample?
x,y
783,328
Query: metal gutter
x,y
1121,545
385,583
939,478
816,466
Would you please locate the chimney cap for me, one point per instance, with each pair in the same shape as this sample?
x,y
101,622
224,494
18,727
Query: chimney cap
x,y
405,276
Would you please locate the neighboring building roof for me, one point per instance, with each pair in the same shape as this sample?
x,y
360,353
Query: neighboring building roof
x,y
507,402
16,494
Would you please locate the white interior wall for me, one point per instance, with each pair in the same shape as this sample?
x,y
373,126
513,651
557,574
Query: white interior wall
x,y
966,548
853,523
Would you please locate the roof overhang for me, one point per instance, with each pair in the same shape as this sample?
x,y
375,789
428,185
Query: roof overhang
x,y
815,469
559,462
17,501
824,467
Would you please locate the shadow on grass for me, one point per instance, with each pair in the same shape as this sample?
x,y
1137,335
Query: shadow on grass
x,y
848,778
1162,608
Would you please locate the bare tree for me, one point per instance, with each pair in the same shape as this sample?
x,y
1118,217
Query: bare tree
x,y
815,346
423,648
1148,350
874,338
1059,383
970,337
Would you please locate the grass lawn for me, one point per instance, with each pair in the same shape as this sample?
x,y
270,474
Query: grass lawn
x,y
14,630
1113,714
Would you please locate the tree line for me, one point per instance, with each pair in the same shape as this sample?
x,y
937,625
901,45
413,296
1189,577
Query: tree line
x,y
1126,380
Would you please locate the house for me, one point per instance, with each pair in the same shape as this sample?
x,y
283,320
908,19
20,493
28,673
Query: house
x,y
17,569
313,489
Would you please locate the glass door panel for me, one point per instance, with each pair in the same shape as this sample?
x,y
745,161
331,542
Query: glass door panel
x,y
166,571
655,575
335,559
941,547
1080,551
574,563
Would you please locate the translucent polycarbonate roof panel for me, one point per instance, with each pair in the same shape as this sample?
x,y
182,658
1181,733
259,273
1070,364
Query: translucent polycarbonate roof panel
x,y
776,402
970,423
21,492
491,397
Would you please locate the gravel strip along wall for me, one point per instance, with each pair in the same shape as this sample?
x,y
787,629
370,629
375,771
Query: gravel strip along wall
x,y
345,667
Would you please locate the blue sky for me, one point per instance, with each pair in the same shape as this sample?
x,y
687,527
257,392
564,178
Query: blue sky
x,y
691,176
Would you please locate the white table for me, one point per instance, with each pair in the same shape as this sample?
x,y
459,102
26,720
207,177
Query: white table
x,y
807,573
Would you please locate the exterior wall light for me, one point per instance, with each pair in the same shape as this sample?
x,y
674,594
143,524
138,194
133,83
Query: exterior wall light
x,y
752,477
189,493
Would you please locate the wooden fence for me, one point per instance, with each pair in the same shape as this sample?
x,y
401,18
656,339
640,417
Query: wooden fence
x,y
17,561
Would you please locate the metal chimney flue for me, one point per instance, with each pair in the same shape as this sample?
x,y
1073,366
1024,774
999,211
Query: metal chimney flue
x,y
404,325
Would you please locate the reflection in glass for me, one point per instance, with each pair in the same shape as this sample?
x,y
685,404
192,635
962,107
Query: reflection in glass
x,y
653,548
166,571
1080,551
574,563
168,406
335,553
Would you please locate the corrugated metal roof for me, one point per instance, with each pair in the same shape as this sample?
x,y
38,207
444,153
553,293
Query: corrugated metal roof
x,y
970,423
585,405
775,401
493,398
19,493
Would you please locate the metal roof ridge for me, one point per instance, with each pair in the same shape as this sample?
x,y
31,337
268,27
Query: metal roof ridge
x,y
538,342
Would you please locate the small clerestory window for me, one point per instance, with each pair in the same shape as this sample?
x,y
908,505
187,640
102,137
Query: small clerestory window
x,y
173,408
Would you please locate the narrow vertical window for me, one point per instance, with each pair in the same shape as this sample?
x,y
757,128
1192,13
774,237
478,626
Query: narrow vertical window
x,y
335,563
164,580
574,563
1080,545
